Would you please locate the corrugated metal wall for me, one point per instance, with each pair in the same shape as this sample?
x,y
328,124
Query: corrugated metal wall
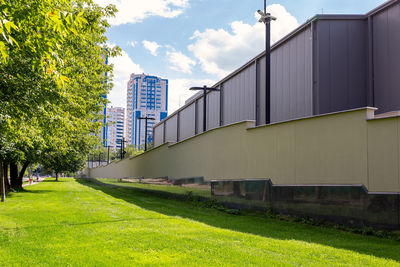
x,y
326,65
386,60
213,110
260,101
171,129
187,122
239,96
158,135
341,65
291,76
199,115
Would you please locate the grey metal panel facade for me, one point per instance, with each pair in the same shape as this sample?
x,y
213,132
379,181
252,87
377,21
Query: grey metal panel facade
x,y
213,110
158,135
239,96
341,65
261,88
329,64
199,115
171,129
187,122
386,59
291,75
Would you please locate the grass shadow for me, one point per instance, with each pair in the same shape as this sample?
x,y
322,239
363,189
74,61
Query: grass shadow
x,y
252,223
36,191
5,229
53,180
12,194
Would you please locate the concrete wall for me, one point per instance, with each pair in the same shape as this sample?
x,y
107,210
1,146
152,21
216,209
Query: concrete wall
x,y
340,148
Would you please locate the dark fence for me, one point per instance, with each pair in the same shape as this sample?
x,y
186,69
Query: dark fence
x,y
344,204
350,205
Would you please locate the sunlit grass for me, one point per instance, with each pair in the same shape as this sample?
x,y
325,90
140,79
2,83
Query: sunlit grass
x,y
85,224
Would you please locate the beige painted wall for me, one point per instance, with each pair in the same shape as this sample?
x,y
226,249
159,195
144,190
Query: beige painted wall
x,y
340,148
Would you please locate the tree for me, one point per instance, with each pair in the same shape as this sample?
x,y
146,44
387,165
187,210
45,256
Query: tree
x,y
64,161
132,151
52,67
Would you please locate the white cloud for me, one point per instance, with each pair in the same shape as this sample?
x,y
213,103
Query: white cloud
x,y
123,68
133,11
220,52
132,43
178,91
180,62
151,47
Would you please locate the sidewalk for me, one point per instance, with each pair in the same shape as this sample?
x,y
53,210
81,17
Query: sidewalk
x,y
34,182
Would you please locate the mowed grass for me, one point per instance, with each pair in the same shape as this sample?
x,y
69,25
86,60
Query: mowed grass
x,y
77,223
174,189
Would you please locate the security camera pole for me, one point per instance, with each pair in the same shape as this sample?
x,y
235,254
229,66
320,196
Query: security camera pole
x,y
205,89
266,19
145,130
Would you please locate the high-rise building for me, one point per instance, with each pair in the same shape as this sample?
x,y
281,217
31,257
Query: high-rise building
x,y
147,96
115,126
104,130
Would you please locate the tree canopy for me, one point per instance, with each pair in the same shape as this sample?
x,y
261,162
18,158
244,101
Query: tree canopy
x,y
52,64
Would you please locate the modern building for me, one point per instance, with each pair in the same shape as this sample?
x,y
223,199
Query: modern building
x,y
147,96
331,63
331,149
115,126
104,129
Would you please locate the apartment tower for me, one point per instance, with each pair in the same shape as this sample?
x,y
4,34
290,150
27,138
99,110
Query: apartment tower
x,y
147,96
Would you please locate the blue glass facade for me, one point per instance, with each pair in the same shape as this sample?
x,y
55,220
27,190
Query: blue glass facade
x,y
147,96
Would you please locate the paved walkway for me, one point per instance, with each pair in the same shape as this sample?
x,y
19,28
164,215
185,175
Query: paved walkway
x,y
34,181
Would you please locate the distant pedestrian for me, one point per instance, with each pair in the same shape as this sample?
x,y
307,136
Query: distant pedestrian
x,y
30,180
37,177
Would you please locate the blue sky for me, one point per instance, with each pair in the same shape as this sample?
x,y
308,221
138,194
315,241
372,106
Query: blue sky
x,y
197,42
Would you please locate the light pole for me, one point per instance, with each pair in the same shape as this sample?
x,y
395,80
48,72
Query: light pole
x,y
266,18
204,89
122,147
100,157
108,154
145,135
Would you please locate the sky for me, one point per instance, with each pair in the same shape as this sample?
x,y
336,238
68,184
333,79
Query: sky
x,y
199,42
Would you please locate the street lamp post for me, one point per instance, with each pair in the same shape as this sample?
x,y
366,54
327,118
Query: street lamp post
x,y
204,89
266,18
145,134
122,147
108,154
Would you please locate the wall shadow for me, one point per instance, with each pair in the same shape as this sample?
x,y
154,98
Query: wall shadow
x,y
251,223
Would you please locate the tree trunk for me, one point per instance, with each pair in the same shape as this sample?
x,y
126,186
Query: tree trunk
x,y
2,183
15,182
5,173
22,172
56,176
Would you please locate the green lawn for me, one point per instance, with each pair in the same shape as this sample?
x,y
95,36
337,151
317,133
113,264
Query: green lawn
x,y
174,189
77,223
